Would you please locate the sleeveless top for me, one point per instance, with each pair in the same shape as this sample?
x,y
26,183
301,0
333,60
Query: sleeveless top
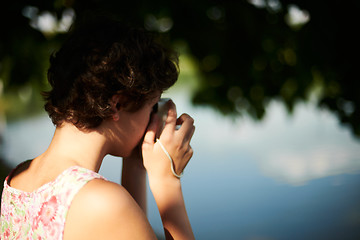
x,y
41,214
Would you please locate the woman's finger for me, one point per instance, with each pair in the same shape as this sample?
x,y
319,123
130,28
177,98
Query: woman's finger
x,y
187,127
170,122
191,133
149,138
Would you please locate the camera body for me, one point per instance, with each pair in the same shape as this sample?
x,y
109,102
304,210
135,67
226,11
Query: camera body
x,y
161,110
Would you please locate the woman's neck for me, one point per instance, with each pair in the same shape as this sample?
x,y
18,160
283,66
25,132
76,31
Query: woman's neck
x,y
72,146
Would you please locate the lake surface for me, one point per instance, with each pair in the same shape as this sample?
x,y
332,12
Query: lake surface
x,y
286,177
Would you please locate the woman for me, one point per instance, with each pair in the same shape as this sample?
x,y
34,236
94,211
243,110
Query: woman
x,y
106,81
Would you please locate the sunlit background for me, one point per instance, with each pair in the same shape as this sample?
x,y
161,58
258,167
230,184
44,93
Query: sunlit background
x,y
277,147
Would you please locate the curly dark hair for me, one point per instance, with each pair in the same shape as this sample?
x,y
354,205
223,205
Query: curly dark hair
x,y
102,58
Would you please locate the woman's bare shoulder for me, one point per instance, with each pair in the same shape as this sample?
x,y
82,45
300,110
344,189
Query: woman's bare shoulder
x,y
105,210
97,191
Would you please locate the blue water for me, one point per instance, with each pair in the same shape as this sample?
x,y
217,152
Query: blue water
x,y
286,177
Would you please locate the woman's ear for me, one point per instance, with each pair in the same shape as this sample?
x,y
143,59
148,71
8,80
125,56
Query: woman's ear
x,y
115,102
115,106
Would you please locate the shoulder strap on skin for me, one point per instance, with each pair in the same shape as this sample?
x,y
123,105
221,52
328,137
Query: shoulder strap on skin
x,y
72,181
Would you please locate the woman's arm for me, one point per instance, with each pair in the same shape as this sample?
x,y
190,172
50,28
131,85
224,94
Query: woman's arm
x,y
105,210
133,178
166,187
170,201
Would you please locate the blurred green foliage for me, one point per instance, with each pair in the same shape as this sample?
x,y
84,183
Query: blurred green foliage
x,y
247,52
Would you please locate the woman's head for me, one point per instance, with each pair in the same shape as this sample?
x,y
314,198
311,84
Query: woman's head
x,y
100,59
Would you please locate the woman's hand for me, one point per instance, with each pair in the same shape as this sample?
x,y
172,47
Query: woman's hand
x,y
166,187
175,141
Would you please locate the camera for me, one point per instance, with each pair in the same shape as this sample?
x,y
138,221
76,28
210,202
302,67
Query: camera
x,y
161,109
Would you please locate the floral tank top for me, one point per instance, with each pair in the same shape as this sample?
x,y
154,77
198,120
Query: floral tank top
x,y
41,214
